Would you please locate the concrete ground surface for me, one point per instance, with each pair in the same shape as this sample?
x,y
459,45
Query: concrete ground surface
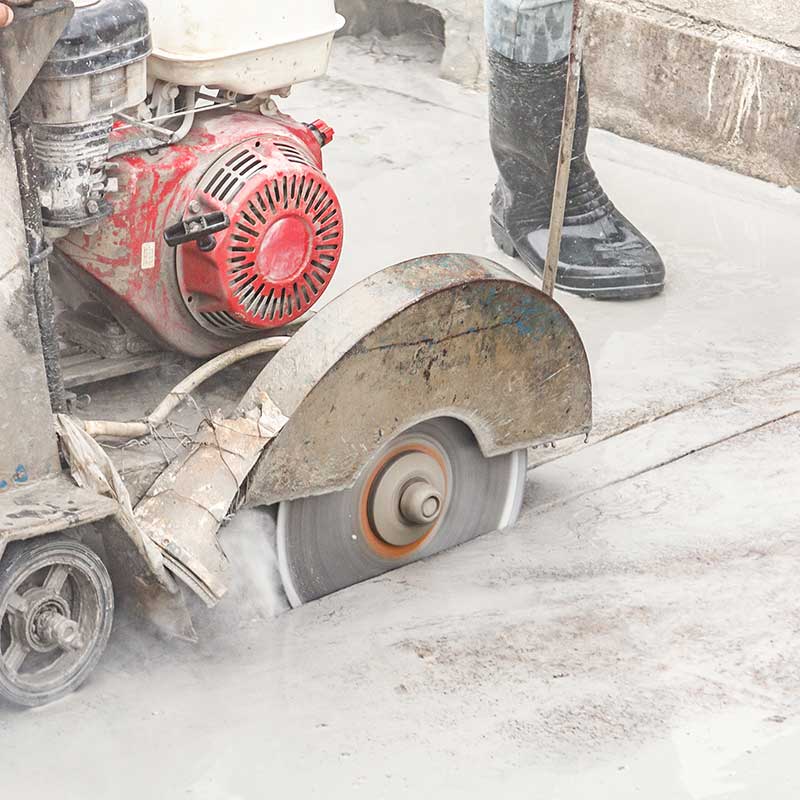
x,y
635,634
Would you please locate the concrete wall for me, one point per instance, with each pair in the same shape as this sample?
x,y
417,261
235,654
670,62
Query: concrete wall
x,y
699,88
458,22
717,80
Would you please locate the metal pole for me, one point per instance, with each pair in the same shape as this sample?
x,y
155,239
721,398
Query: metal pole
x,y
565,151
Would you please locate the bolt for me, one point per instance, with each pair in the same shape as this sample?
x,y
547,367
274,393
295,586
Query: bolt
x,y
421,503
269,106
92,206
54,628
194,207
430,507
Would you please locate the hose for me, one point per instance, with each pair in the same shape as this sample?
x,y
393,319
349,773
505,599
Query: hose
x,y
135,430
39,249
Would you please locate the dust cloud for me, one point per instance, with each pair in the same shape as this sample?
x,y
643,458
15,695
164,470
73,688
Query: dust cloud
x,y
256,591
254,599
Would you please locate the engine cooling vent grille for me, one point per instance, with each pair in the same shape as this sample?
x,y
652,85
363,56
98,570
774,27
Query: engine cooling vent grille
x,y
293,154
282,246
277,303
230,176
224,322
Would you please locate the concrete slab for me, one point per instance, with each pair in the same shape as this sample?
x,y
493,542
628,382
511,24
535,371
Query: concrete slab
x,y
695,86
559,476
776,20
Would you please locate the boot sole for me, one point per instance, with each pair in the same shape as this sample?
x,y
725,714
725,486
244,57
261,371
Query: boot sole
x,y
627,292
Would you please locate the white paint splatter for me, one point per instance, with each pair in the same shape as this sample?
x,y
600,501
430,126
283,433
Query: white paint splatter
x,y
744,97
751,91
712,80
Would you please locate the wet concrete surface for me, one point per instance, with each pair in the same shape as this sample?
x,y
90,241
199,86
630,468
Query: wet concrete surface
x,y
636,634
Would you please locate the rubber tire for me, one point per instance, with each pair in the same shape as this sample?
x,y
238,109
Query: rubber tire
x,y
17,557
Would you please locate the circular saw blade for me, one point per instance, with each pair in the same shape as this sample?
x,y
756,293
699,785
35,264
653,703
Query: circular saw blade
x,y
322,542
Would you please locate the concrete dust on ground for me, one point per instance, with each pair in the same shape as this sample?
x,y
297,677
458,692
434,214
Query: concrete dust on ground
x,y
641,638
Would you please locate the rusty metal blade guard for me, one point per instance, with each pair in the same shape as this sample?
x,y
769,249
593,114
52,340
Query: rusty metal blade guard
x,y
438,336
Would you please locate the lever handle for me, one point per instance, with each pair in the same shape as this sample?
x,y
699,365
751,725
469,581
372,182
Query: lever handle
x,y
198,229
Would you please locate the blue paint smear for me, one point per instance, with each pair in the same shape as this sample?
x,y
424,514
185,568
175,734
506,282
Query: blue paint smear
x,y
526,312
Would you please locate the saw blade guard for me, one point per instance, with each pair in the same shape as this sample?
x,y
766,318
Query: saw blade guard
x,y
442,336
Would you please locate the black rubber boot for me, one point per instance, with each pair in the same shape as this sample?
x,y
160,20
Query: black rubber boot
x,y
602,254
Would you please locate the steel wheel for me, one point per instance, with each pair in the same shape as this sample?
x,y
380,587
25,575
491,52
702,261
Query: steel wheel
x,y
56,609
427,490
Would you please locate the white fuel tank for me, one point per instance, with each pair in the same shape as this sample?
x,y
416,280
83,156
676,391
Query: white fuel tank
x,y
247,46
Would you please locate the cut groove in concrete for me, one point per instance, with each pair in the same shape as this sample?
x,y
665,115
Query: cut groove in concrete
x,y
644,448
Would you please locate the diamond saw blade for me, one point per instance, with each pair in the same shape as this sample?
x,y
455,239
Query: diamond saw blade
x,y
425,491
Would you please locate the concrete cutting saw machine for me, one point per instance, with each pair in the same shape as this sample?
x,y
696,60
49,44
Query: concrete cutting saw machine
x,y
155,201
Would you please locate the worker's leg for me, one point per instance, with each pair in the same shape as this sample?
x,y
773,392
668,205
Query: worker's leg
x,y
603,254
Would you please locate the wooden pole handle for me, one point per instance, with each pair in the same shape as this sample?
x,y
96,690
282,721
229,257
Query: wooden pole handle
x,y
575,64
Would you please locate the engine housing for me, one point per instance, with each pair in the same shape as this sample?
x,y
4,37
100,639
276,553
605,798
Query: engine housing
x,y
266,269
282,246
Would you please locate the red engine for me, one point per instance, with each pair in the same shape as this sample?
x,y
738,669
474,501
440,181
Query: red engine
x,y
254,233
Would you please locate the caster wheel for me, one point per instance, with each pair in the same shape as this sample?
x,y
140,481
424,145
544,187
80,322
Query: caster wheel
x,y
56,611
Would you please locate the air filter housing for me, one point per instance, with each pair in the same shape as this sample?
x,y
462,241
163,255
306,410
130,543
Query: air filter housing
x,y
95,69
